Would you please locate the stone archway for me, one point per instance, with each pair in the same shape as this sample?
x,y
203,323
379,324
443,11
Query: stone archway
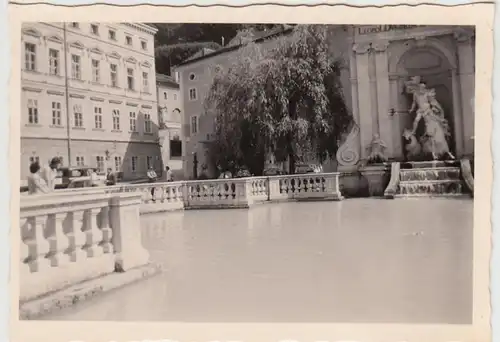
x,y
436,68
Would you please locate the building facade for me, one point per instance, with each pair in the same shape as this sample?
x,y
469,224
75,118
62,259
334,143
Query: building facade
x,y
89,96
382,58
378,60
170,122
195,78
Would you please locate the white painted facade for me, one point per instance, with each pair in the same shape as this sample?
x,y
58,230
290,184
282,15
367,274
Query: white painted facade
x,y
88,95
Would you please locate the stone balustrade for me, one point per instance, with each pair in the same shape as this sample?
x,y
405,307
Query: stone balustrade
x,y
74,235
305,187
225,193
66,239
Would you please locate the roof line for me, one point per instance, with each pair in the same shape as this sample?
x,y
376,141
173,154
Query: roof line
x,y
234,47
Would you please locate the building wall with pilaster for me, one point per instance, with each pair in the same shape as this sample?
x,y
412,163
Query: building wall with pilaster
x,y
107,117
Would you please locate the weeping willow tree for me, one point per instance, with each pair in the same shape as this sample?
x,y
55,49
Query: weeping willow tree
x,y
286,99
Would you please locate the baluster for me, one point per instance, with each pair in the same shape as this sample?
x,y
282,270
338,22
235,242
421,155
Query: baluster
x,y
24,250
206,192
24,255
58,241
282,185
301,184
296,184
168,192
37,243
179,194
76,237
174,193
212,192
146,195
107,232
197,191
93,235
224,188
200,190
309,184
155,196
190,192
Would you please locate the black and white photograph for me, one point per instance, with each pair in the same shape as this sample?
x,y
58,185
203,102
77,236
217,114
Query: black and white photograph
x,y
238,172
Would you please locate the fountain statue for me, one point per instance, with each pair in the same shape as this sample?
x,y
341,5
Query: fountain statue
x,y
426,106
376,150
163,117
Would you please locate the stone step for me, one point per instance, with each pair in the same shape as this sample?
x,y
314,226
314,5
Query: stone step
x,y
417,195
430,187
430,164
429,174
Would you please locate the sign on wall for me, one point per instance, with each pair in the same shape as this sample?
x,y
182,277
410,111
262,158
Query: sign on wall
x,y
362,30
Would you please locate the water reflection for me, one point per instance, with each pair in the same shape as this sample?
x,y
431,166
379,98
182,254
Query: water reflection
x,y
352,261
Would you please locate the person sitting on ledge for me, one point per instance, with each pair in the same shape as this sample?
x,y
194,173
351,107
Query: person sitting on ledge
x,y
152,179
49,173
36,184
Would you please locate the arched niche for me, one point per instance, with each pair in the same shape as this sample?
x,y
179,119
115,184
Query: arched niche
x,y
435,64
176,115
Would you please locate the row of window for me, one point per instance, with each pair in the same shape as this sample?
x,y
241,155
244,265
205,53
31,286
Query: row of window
x,y
99,162
33,117
94,30
76,68
165,96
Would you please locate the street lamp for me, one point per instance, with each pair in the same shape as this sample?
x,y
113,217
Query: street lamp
x,y
195,165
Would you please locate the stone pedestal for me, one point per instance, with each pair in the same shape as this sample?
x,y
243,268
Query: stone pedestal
x,y
332,185
274,189
377,176
127,241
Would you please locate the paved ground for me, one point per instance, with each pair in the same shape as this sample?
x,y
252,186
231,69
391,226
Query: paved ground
x,y
363,260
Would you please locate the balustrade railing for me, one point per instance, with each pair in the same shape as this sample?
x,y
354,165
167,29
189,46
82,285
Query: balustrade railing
x,y
73,235
68,239
226,193
216,193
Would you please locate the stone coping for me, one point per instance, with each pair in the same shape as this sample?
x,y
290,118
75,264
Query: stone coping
x,y
33,309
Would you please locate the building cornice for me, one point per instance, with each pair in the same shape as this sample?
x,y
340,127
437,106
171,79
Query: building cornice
x,y
99,40
142,28
94,94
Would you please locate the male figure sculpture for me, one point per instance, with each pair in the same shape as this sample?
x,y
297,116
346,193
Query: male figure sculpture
x,y
436,126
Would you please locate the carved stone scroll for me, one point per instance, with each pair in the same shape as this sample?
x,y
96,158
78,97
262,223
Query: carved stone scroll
x,y
347,154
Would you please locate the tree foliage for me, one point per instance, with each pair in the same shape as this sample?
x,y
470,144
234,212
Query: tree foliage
x,y
286,99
